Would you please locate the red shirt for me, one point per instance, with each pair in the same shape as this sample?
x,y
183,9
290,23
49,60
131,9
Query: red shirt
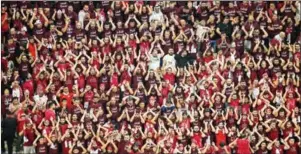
x,y
66,145
28,85
243,146
69,98
234,103
81,82
293,149
37,117
185,123
223,151
210,150
63,128
273,134
220,137
5,25
197,139
49,113
89,96
291,103
41,85
170,77
53,149
114,80
21,121
280,149
29,137
63,66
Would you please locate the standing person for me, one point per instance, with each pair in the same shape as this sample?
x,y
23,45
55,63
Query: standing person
x,y
242,145
29,132
9,125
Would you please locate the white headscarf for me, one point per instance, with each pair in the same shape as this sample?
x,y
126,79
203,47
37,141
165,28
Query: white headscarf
x,y
157,15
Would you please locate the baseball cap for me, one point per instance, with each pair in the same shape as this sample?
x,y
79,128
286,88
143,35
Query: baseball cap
x,y
38,22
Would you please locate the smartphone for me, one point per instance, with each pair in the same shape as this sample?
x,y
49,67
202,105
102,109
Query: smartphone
x,y
86,105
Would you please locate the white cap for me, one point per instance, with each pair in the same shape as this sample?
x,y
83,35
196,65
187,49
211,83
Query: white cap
x,y
24,29
59,12
233,45
38,22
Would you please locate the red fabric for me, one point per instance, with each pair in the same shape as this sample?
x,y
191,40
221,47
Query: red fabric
x,y
50,114
243,146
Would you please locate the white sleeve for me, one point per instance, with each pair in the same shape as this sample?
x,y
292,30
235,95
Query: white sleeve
x,y
151,17
81,17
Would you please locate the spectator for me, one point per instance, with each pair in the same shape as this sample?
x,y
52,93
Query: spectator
x,y
152,77
9,125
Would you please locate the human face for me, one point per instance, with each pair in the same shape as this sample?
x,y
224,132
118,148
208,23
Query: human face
x,y
86,8
70,8
78,25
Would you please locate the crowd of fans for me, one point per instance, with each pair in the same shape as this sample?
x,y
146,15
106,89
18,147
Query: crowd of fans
x,y
151,77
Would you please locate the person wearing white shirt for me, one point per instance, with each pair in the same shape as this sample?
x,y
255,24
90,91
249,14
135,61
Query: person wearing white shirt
x,y
169,59
154,62
156,15
40,98
16,90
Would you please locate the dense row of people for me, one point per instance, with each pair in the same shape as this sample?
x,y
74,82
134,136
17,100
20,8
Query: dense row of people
x,y
151,77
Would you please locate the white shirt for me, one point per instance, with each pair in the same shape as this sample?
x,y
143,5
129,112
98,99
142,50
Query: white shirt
x,y
169,61
154,62
94,151
278,38
255,92
156,16
81,17
16,93
40,100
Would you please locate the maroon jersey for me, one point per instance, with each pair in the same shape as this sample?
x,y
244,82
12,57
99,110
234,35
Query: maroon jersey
x,y
66,145
92,33
61,5
118,14
70,31
132,30
104,79
29,136
41,148
23,38
144,17
73,17
280,150
39,32
119,31
231,12
114,108
245,9
11,49
203,13
102,119
53,148
92,81
5,101
275,24
79,34
288,10
107,33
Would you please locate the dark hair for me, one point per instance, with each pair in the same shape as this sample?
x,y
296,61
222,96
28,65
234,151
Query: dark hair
x,y
50,103
9,113
222,144
242,136
15,98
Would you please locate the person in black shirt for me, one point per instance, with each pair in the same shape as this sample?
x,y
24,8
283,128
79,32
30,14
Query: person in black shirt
x,y
225,27
9,125
183,59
